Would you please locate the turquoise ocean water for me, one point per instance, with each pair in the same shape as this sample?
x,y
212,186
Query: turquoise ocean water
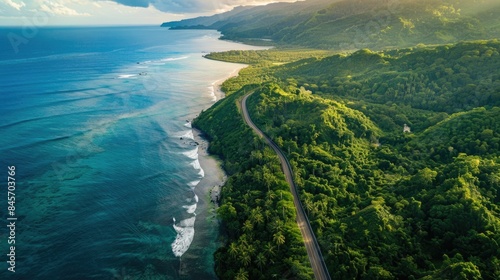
x,y
92,119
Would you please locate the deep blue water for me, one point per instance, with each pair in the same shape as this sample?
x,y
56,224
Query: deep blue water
x,y
92,119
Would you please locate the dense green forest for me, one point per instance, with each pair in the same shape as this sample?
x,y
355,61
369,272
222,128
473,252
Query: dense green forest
x,y
257,211
356,24
384,204
447,78
395,151
382,210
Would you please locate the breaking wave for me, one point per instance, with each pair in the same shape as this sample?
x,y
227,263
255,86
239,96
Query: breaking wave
x,y
184,238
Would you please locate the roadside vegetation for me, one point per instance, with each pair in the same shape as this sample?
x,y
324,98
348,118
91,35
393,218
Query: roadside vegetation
x,y
388,204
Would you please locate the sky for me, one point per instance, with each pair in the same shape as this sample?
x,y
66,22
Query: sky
x,y
111,12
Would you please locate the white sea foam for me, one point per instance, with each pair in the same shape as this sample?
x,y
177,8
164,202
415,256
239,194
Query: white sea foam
x,y
193,184
190,208
187,222
188,124
196,165
174,58
188,134
162,61
157,63
193,154
212,93
126,76
196,198
185,234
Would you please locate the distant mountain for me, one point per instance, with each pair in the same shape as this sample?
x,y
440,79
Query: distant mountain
x,y
254,21
356,24
206,21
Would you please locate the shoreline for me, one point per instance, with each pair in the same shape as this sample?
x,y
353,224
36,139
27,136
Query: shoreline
x,y
206,159
213,164
219,93
207,227
209,162
206,239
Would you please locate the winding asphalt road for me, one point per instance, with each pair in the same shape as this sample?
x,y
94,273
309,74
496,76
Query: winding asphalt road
x,y
312,247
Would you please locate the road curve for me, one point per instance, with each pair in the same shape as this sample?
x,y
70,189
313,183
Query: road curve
x,y
312,247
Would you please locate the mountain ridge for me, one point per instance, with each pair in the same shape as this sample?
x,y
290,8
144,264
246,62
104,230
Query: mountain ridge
x,y
349,25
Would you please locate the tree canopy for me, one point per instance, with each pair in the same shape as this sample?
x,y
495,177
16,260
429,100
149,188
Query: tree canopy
x,y
383,203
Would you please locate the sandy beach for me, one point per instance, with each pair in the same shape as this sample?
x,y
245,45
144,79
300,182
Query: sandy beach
x,y
219,94
206,237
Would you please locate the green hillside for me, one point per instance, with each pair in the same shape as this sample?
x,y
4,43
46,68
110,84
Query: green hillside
x,y
447,78
395,150
349,25
384,204
475,132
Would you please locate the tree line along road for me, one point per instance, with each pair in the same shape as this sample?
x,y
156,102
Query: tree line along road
x,y
312,247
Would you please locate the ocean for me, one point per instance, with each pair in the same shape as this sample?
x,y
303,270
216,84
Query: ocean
x,y
108,182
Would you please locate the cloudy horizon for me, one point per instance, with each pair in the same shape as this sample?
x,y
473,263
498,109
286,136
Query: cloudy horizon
x,y
116,12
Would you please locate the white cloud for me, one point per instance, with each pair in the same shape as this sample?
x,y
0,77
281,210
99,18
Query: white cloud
x,y
193,6
106,12
15,5
60,9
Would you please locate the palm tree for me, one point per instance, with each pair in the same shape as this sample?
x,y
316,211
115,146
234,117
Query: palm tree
x,y
241,275
260,260
250,249
268,214
246,197
245,258
247,226
343,227
270,195
268,203
269,250
268,177
308,205
256,215
279,238
233,250
277,225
